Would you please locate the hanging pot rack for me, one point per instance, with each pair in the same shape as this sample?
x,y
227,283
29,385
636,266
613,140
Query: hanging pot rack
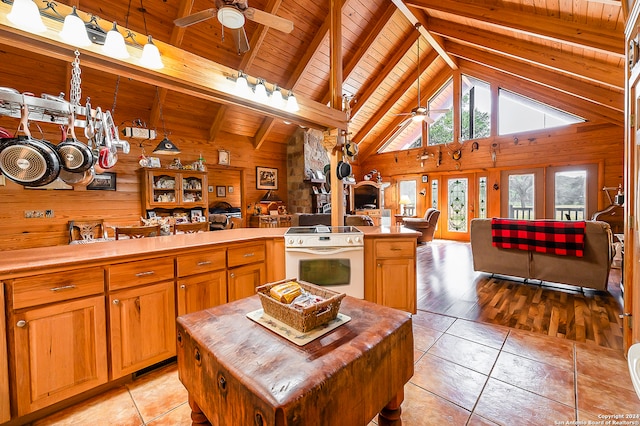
x,y
46,109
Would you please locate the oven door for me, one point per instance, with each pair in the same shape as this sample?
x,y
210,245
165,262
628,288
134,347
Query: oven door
x,y
339,269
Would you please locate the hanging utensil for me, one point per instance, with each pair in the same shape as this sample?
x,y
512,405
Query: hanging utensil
x,y
108,154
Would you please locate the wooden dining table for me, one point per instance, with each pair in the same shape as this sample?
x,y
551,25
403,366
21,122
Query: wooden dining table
x,y
238,372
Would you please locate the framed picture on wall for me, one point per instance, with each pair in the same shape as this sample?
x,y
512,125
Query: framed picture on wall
x,y
221,191
266,178
103,181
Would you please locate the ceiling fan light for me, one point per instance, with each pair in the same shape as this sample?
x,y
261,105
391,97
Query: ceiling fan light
x,y
418,117
74,31
261,92
230,17
151,56
292,103
114,44
25,15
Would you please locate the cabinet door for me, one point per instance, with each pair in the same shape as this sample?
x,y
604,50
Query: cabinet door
x,y
60,351
163,189
193,190
202,291
143,327
395,284
5,413
243,280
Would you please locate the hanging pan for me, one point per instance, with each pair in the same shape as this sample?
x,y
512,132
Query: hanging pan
x,y
75,155
28,161
75,177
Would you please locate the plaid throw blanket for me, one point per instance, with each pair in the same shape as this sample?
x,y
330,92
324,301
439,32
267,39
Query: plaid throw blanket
x,y
543,236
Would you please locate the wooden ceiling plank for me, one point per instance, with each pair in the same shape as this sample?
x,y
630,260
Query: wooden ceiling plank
x,y
582,67
434,41
582,89
263,132
218,121
404,86
575,33
370,88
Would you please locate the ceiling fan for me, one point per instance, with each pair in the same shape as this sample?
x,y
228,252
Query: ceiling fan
x,y
419,113
232,15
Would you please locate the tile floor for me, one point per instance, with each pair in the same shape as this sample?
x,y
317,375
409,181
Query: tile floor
x,y
466,373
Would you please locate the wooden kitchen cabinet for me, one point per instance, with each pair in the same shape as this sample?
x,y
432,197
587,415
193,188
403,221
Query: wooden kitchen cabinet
x,y
142,314
202,280
390,272
173,189
5,411
245,269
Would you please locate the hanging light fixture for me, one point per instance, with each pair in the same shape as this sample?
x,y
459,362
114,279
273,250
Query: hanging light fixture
x,y
151,56
114,44
25,15
74,31
165,146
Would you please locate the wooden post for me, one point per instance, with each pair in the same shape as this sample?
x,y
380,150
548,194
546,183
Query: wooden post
x,y
335,89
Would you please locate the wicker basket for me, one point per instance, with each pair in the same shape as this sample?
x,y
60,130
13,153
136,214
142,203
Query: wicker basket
x,y
308,318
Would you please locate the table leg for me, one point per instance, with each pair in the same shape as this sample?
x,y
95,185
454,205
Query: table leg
x,y
197,416
390,414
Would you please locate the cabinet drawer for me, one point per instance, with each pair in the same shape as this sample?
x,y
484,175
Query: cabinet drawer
x,y
395,248
245,254
197,263
141,272
49,288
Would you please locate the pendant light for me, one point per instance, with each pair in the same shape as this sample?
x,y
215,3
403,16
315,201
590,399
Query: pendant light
x,y
165,146
74,31
25,15
114,44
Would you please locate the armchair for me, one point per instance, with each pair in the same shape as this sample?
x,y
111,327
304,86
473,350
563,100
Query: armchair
x,y
426,225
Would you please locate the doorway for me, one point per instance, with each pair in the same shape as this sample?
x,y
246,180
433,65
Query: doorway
x,y
458,206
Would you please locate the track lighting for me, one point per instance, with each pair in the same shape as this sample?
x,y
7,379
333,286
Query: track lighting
x,y
260,92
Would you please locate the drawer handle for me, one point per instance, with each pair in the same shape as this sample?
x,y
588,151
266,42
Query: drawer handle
x,y
204,262
395,249
144,274
64,287
21,323
249,254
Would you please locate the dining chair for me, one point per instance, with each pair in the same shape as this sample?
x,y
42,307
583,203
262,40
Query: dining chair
x,y
138,231
86,230
190,228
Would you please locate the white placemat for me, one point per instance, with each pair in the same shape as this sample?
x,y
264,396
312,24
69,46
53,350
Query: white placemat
x,y
290,333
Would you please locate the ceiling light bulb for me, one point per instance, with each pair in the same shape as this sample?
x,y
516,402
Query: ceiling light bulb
x,y
276,98
292,103
74,31
114,44
417,117
230,17
261,92
242,86
151,56
26,16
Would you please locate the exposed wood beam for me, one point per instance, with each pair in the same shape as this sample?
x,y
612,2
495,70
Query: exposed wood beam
x,y
404,86
437,81
361,99
581,89
581,67
576,33
434,41
177,34
364,45
247,61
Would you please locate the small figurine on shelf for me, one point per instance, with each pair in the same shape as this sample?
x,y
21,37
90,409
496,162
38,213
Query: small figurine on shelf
x,y
176,164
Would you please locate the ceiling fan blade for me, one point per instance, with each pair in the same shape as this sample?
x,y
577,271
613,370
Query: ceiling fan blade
x,y
428,119
194,18
240,38
444,111
405,122
269,20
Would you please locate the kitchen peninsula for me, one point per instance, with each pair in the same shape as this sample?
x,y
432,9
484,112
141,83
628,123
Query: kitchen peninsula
x,y
107,310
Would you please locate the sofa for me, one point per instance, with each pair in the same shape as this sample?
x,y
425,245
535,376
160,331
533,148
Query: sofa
x,y
426,225
589,271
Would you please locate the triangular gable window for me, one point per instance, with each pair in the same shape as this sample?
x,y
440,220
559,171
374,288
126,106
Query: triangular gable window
x,y
518,114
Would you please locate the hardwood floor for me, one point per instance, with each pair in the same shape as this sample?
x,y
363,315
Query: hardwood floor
x,y
448,285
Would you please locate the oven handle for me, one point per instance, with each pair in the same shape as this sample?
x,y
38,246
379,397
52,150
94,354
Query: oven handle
x,y
324,250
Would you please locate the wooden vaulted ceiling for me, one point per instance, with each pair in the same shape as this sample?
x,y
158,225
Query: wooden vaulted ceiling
x,y
567,53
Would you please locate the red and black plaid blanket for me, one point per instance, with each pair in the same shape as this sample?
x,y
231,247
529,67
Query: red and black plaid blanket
x,y
543,236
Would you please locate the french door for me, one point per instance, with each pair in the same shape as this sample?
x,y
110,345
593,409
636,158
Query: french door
x,y
458,206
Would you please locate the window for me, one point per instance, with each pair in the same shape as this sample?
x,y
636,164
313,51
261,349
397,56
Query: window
x,y
458,203
434,193
521,196
482,197
441,130
518,114
407,198
572,192
475,107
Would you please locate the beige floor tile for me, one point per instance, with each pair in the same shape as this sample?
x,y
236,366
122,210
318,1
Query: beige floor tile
x,y
114,407
537,377
422,408
464,352
509,405
602,397
550,350
485,334
424,337
603,364
450,381
434,321
179,416
158,392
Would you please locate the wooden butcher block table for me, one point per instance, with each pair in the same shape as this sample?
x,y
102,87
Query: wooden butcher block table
x,y
238,372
